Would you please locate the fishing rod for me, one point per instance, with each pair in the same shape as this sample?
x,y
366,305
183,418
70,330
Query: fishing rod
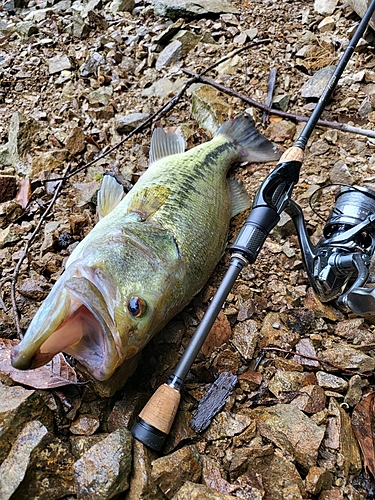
x,y
273,197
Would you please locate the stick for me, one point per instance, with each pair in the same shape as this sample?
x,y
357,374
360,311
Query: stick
x,y
284,114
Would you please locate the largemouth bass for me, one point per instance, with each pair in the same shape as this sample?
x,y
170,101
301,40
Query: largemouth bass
x,y
148,255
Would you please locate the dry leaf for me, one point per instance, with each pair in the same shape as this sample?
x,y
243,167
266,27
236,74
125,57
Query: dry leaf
x,y
220,334
56,373
24,192
362,419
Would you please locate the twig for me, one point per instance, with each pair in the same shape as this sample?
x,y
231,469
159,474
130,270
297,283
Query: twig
x,y
26,249
338,367
297,118
270,90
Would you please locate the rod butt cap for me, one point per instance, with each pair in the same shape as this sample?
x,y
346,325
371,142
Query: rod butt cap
x,y
149,435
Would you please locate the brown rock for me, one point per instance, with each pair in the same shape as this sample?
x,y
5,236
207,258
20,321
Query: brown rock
x,y
9,212
317,480
85,425
280,131
274,332
75,142
351,359
172,471
8,186
227,424
212,477
245,337
311,400
81,444
220,334
192,491
292,430
285,381
333,494
319,309
227,361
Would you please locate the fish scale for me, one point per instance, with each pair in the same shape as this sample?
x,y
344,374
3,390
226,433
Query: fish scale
x,y
148,255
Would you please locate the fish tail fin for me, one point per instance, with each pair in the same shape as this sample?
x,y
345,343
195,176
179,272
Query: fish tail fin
x,y
252,146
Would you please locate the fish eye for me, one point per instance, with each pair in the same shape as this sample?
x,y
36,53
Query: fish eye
x,y
136,306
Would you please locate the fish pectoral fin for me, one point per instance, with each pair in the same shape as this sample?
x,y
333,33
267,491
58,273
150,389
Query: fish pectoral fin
x,y
165,142
109,196
240,199
147,201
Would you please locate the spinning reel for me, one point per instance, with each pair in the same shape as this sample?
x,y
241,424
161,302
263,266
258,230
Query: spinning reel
x,y
338,267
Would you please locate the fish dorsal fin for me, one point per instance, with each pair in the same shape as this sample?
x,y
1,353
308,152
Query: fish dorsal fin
x,y
239,197
109,196
165,142
147,201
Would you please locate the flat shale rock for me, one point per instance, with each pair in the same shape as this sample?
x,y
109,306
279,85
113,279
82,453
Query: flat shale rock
x,y
193,491
245,337
208,108
172,471
315,85
287,381
290,429
103,471
360,7
17,407
349,358
185,8
227,424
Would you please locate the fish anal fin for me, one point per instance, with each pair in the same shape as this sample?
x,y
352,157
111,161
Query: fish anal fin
x,y
165,142
240,199
109,196
147,201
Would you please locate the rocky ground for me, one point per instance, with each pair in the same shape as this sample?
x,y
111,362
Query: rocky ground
x,y
75,79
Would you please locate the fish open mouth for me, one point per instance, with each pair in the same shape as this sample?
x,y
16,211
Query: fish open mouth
x,y
83,328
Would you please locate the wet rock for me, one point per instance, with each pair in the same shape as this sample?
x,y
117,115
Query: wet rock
x,y
245,337
142,487
281,130
227,424
182,8
193,491
13,468
318,479
346,357
312,399
208,108
315,85
171,472
85,425
9,212
58,63
121,6
127,123
124,411
330,381
291,430
171,54
103,471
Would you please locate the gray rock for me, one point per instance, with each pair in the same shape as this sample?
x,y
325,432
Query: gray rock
x,y
125,124
185,8
325,6
9,236
330,381
188,40
193,491
281,102
58,63
103,471
171,54
164,87
25,29
365,108
122,6
360,7
315,85
9,212
354,394
13,469
102,95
